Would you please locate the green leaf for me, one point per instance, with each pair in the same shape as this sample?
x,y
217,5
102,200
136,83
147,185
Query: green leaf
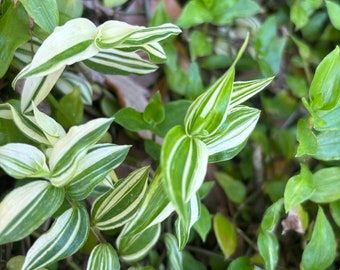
x,y
191,263
44,13
233,134
240,263
135,247
225,233
155,207
99,160
113,61
154,112
318,255
115,208
326,185
198,8
324,91
69,10
68,44
271,216
184,224
328,145
66,153
184,162
203,224
103,257
14,31
334,207
234,189
269,249
299,188
66,236
307,140
200,44
174,254
68,81
333,9
25,208
23,161
130,119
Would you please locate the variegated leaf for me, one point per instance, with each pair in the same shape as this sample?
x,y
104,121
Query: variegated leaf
x,y
184,223
154,208
52,130
21,160
113,61
67,152
117,207
25,208
67,234
242,91
5,111
184,162
136,247
68,44
103,257
23,55
174,254
230,139
99,160
68,81
36,89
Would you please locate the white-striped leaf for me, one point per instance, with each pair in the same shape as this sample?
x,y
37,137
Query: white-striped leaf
x,y
67,152
136,247
68,81
21,160
23,55
113,61
184,224
232,136
242,91
117,207
209,111
174,254
29,127
184,162
154,208
25,208
36,89
100,159
5,111
52,129
68,44
103,257
66,236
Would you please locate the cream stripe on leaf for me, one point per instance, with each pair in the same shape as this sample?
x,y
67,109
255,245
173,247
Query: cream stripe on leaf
x,y
233,135
134,248
117,207
100,159
21,160
66,153
113,61
154,208
184,163
103,257
175,256
68,44
25,208
66,236
5,111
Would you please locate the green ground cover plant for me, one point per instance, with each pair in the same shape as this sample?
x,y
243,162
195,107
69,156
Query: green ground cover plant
x,y
230,164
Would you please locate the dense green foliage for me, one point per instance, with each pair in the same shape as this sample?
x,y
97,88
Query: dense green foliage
x,y
229,163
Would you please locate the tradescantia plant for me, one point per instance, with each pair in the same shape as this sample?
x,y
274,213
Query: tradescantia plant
x,y
65,167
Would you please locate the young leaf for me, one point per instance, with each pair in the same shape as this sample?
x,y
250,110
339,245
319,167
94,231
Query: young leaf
x,y
184,162
240,263
225,233
67,234
333,9
308,144
174,254
154,208
99,160
68,44
25,208
44,13
103,257
203,224
233,134
269,249
66,153
318,255
299,188
117,207
135,247
234,189
154,112
271,216
23,161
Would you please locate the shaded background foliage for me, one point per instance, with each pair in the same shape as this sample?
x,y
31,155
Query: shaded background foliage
x,y
288,39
